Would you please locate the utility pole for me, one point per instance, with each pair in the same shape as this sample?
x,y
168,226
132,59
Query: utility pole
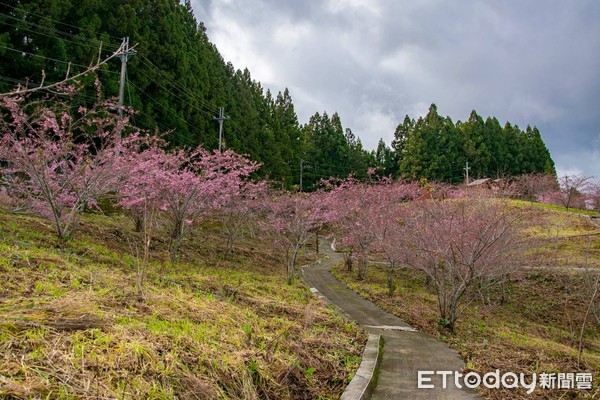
x,y
467,168
124,57
221,118
301,171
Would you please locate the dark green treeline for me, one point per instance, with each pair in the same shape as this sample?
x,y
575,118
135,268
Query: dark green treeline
x,y
438,149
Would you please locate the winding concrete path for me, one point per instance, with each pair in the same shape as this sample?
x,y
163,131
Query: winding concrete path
x,y
405,351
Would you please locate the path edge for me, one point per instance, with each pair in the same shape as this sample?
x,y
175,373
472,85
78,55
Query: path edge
x,y
362,385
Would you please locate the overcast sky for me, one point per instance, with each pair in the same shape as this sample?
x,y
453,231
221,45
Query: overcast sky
x,y
531,62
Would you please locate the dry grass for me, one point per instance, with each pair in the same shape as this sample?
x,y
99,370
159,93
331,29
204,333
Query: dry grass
x,y
72,325
562,239
535,330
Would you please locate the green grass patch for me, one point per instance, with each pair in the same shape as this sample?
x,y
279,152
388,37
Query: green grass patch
x,y
555,208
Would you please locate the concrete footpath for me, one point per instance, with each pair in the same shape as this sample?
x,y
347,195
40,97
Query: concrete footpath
x,y
405,351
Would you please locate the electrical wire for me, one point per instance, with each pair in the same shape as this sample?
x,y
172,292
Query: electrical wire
x,y
179,137
204,106
109,46
177,85
41,56
129,93
55,22
192,128
161,85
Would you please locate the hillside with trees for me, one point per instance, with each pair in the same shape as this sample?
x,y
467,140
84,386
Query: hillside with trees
x,y
176,82
137,261
438,149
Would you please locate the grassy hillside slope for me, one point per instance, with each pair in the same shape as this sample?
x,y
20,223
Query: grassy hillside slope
x,y
72,326
530,323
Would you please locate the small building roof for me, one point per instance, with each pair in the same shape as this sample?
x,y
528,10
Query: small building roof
x,y
478,182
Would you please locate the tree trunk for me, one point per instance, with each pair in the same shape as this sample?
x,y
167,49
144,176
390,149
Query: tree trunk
x,y
391,283
174,250
229,249
139,223
362,268
176,237
585,319
292,266
349,262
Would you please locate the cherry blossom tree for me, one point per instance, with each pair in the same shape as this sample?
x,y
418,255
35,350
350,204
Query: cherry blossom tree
x,y
572,192
360,213
531,186
390,226
290,219
391,202
574,189
185,186
594,195
349,204
239,209
459,244
181,186
59,161
143,194
203,185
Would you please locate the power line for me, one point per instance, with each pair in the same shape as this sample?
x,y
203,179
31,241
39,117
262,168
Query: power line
x,y
98,42
31,84
165,88
91,68
54,32
211,109
18,81
202,103
18,54
55,22
41,56
144,60
177,85
170,112
129,94
80,95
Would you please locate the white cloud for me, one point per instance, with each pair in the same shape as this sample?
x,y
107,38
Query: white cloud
x,y
240,47
289,34
406,60
337,6
375,124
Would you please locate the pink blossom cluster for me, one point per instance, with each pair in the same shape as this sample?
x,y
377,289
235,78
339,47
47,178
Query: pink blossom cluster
x,y
62,162
57,162
458,241
363,214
